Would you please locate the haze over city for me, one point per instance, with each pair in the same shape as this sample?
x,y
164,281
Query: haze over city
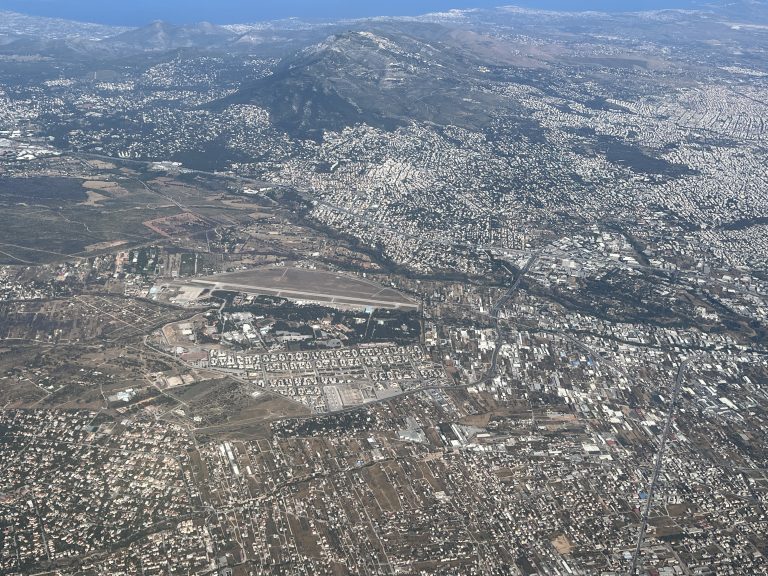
x,y
379,289
234,11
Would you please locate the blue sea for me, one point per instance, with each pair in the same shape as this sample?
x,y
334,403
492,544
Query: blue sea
x,y
140,12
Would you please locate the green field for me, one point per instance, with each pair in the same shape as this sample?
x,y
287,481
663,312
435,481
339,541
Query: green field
x,y
50,219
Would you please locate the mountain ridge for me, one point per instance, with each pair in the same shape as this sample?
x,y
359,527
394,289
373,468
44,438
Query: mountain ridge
x,y
375,77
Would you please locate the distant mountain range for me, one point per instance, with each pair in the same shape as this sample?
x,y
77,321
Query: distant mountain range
x,y
28,34
15,25
161,36
384,72
20,34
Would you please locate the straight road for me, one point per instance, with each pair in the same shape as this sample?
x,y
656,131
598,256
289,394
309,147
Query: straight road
x,y
496,310
657,467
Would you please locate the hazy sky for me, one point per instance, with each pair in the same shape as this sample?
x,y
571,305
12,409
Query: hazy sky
x,y
138,12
